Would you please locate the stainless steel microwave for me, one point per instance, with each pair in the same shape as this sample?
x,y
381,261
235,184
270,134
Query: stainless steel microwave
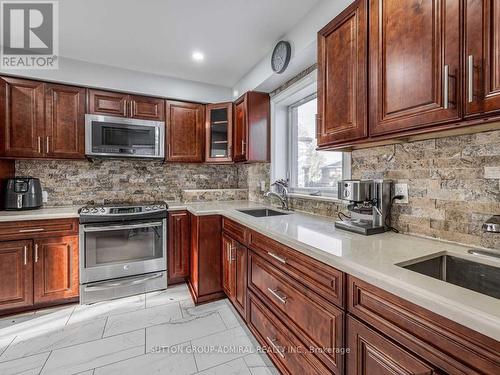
x,y
117,137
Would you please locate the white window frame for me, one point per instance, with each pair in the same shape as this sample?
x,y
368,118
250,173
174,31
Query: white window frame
x,y
283,150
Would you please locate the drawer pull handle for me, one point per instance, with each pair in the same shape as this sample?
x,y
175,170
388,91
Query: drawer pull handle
x,y
36,253
25,255
275,347
31,230
281,298
278,258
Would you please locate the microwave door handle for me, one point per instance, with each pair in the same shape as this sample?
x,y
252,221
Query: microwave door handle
x,y
121,227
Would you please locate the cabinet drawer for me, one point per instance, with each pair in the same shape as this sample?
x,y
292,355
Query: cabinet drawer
x,y
38,229
286,350
317,322
235,230
324,280
450,346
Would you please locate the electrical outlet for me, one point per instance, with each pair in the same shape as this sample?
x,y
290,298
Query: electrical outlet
x,y
262,186
45,196
401,189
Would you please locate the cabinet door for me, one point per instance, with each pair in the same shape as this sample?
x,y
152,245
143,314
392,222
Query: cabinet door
x,y
108,103
371,353
342,79
64,121
145,108
414,59
227,266
16,274
185,132
179,236
22,111
219,132
240,131
239,259
56,269
482,56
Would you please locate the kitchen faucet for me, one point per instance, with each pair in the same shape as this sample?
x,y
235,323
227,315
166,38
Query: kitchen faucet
x,y
282,194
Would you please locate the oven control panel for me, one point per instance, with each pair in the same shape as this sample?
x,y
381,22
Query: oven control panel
x,y
123,209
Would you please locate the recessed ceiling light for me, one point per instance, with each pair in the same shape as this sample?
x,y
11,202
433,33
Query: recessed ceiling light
x,y
198,56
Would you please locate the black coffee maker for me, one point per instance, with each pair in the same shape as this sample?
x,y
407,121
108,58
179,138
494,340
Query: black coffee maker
x,y
23,193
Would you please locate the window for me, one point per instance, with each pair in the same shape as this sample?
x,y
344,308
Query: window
x,y
310,171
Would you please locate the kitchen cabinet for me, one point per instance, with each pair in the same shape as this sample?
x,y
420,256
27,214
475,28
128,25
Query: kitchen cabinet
x,y
16,275
64,121
55,269
22,111
342,77
234,272
482,62
219,132
185,135
7,170
42,120
205,276
124,105
179,237
414,64
374,354
38,264
251,128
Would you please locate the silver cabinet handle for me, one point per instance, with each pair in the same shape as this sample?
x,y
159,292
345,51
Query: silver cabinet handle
x,y
470,78
276,349
39,145
47,144
243,146
278,258
281,298
31,230
233,258
131,108
36,253
228,251
446,86
25,255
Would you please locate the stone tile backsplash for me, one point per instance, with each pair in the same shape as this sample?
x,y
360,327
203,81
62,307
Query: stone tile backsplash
x,y
453,183
80,182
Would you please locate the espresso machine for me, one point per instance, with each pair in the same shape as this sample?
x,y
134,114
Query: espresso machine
x,y
369,206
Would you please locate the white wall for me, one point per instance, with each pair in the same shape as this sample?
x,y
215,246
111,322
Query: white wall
x,y
303,40
83,73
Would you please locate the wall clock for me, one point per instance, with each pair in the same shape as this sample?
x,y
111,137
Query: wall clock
x,y
281,56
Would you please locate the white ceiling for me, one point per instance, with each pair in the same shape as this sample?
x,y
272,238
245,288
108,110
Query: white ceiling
x,y
159,36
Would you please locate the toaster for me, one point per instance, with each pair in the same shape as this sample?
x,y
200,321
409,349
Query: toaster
x,y
23,193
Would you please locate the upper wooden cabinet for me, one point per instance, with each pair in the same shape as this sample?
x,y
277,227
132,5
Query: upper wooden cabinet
x,y
251,128
219,132
23,118
482,61
64,121
185,132
342,69
414,59
125,105
42,120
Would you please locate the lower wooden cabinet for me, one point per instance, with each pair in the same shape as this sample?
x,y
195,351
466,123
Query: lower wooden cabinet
x,y
179,240
234,273
371,353
16,275
205,277
56,269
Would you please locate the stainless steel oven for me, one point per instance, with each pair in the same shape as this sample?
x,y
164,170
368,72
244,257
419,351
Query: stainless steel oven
x,y
122,250
117,137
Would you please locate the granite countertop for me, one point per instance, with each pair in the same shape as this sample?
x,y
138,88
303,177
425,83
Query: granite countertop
x,y
373,259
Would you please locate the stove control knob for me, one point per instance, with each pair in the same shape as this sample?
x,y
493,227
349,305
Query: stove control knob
x,y
85,210
148,208
156,207
163,206
93,210
102,210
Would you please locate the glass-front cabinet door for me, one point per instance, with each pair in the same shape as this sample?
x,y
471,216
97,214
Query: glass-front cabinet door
x,y
219,127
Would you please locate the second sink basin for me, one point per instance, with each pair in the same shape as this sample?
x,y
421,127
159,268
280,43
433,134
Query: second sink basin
x,y
471,275
262,212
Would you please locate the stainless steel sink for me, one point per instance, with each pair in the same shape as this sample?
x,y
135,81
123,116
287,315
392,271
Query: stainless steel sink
x,y
263,212
471,275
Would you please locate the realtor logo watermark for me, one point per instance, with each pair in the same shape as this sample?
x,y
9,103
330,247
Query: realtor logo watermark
x,y
30,34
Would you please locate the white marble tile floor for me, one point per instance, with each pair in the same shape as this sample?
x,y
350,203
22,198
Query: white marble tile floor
x,y
154,333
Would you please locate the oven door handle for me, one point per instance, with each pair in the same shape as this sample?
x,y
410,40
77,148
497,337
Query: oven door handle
x,y
121,227
128,282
